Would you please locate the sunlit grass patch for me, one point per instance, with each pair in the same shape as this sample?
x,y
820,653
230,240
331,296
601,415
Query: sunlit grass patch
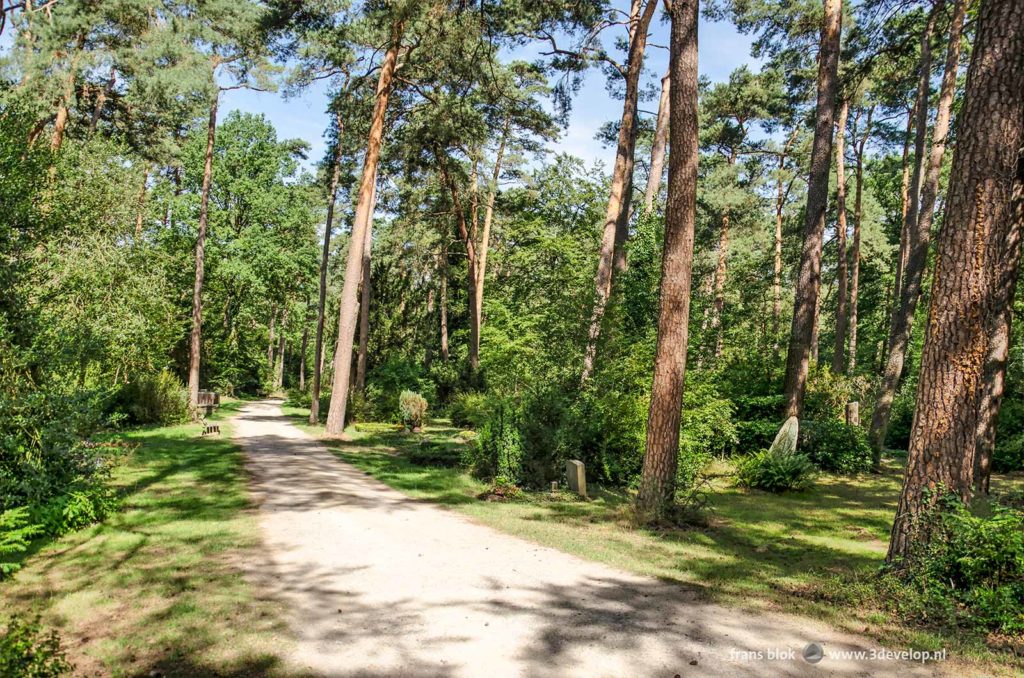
x,y
158,585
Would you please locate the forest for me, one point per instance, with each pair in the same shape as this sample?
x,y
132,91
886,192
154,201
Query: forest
x,y
774,320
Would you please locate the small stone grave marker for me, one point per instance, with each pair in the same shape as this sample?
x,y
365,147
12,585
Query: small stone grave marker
x,y
577,476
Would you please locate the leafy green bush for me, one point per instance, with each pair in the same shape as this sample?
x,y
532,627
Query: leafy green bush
x,y
902,417
969,572
498,452
413,407
828,393
468,410
155,398
755,434
835,446
776,472
83,504
27,652
1009,454
16,532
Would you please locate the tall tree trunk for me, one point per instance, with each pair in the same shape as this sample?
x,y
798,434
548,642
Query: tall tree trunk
x,y
271,341
720,273
855,254
303,346
659,146
781,191
1003,279
621,180
965,302
443,303
919,236
809,273
281,343
321,307
354,262
364,306
901,257
468,237
485,233
658,479
61,118
839,350
196,339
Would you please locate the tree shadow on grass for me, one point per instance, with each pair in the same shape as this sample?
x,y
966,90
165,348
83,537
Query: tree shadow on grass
x,y
156,586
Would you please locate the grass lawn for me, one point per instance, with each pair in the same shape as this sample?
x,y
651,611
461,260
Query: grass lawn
x,y
808,553
156,589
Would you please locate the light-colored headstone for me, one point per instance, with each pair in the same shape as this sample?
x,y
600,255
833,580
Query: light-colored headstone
x,y
785,439
577,477
853,413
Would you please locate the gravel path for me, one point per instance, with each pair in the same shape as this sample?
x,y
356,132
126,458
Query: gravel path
x,y
378,584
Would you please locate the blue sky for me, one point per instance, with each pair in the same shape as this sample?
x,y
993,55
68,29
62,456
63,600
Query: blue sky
x,y
721,50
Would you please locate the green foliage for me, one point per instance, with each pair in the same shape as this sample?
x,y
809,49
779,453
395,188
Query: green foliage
x,y
155,398
969,572
1009,451
828,393
776,472
16,532
835,446
81,505
468,410
707,429
755,434
26,651
498,453
413,407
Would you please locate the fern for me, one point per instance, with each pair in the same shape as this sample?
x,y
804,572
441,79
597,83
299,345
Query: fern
x,y
16,534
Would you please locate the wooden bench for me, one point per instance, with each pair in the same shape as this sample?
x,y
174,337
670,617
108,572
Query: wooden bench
x,y
208,400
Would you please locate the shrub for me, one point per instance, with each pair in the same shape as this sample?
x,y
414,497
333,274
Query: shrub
x,y
155,398
1009,454
498,452
16,532
468,410
82,505
27,652
776,472
970,570
413,407
756,434
828,393
835,446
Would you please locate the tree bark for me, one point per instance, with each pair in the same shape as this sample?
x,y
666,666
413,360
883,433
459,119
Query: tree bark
x,y
364,306
901,257
839,350
321,307
918,237
468,237
443,303
809,273
353,265
485,232
196,339
965,301
281,343
720,273
780,203
303,346
659,146
656,494
61,118
1003,280
621,180
855,253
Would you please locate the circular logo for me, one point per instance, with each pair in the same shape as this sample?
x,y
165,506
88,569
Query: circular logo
x,y
813,653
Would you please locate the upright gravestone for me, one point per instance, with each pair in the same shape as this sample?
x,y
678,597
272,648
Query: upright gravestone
x,y
785,440
577,476
853,413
